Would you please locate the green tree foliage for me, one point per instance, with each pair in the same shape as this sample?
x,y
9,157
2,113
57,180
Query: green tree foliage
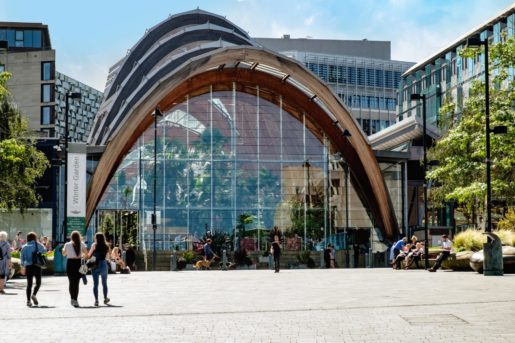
x,y
461,175
21,164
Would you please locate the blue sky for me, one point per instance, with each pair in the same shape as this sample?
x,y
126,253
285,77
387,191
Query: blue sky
x,y
90,36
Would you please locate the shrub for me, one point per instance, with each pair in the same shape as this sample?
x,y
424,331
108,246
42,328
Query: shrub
x,y
241,258
305,258
188,256
508,222
469,240
507,237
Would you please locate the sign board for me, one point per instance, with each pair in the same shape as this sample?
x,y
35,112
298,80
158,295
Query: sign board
x,y
76,194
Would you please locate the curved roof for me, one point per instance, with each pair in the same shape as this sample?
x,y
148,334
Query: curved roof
x,y
246,66
163,48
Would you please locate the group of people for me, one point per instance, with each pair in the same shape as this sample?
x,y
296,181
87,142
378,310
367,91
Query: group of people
x,y
414,251
408,252
18,242
77,254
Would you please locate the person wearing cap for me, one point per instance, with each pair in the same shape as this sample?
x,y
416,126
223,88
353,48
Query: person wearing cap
x,y
208,252
446,251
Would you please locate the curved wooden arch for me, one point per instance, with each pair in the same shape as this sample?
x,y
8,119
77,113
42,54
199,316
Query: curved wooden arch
x,y
196,77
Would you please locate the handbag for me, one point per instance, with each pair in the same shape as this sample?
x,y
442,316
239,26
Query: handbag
x,y
38,259
83,269
92,263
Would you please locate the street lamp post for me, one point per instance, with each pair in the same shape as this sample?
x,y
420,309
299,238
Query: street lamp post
x,y
492,263
426,230
69,95
157,113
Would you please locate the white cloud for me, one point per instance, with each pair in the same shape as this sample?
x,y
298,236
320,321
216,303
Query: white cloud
x,y
309,21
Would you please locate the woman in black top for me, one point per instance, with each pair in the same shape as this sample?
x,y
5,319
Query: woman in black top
x,y
276,251
100,250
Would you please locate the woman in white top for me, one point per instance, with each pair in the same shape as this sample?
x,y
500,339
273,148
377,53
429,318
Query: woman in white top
x,y
74,251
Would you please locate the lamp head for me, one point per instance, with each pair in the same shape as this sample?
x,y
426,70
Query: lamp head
x,y
475,41
417,97
157,112
500,130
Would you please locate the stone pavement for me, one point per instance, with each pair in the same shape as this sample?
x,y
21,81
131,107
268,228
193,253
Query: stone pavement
x,y
342,305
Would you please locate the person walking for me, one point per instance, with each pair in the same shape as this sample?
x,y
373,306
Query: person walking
x,y
74,250
446,251
29,268
5,260
327,256
276,251
100,250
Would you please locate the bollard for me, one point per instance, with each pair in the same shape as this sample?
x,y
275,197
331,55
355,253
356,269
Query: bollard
x,y
59,261
224,259
173,262
492,251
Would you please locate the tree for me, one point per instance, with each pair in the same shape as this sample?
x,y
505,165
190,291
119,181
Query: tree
x,y
21,164
461,174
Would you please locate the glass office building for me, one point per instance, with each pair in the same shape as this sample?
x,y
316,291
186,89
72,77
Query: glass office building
x,y
360,72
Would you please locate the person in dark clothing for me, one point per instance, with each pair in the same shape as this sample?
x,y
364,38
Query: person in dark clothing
x,y
276,251
130,257
29,269
208,251
327,256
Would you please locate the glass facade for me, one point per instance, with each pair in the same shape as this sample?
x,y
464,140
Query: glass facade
x,y
368,87
226,154
22,38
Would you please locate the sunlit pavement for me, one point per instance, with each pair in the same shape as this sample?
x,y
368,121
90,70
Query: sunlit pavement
x,y
343,305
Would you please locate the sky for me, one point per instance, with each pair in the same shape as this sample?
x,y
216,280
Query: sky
x,y
90,36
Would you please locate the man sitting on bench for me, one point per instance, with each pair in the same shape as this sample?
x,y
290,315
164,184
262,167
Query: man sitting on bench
x,y
446,246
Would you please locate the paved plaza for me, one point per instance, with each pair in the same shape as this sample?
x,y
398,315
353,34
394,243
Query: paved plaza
x,y
343,305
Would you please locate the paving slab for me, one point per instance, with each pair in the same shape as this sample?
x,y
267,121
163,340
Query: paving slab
x,y
310,305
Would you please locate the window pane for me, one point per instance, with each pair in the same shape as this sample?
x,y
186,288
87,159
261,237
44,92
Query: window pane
x,y
10,37
46,93
19,35
27,39
36,39
2,68
47,71
46,115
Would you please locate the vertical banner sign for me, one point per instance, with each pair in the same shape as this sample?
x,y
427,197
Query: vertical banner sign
x,y
76,189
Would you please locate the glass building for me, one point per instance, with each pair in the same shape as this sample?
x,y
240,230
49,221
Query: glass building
x,y
226,154
249,139
360,72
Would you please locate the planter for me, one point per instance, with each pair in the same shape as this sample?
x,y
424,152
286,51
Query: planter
x,y
263,259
